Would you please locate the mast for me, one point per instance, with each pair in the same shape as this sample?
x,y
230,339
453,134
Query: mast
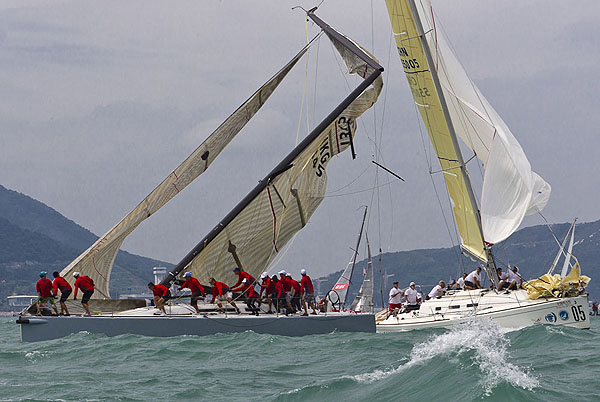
x,y
491,265
362,225
288,162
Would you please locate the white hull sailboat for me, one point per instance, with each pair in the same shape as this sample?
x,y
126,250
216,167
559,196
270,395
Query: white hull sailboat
x,y
466,131
251,235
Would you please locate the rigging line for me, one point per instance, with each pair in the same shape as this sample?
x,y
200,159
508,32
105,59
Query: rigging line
x,y
550,228
304,89
316,79
306,83
351,182
361,191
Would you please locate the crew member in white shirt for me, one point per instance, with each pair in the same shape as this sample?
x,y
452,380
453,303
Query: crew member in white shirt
x,y
473,280
460,282
413,300
395,300
514,279
503,279
437,291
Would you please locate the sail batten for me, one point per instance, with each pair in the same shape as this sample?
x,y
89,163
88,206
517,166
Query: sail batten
x,y
262,223
98,260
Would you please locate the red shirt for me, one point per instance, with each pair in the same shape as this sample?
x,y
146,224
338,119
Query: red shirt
x,y
160,290
193,285
296,286
306,284
279,289
247,289
44,287
60,282
266,286
218,289
244,275
285,281
85,283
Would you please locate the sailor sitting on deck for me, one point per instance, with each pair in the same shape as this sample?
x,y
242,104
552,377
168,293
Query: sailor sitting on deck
x,y
503,279
249,293
161,294
514,279
194,286
460,282
413,299
220,292
396,295
473,280
437,291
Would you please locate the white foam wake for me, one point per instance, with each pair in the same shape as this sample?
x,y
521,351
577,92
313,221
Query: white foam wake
x,y
482,339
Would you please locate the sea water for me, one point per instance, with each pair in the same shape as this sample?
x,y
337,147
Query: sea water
x,y
472,362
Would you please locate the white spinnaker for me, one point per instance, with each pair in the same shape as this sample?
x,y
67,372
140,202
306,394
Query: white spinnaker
x,y
97,261
511,189
271,218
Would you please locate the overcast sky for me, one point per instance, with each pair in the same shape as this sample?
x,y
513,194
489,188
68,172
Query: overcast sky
x,y
101,100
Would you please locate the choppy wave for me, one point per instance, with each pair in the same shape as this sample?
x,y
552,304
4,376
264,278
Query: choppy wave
x,y
476,361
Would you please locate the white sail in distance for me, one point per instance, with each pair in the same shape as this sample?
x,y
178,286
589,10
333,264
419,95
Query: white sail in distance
x,y
511,189
252,234
363,303
97,261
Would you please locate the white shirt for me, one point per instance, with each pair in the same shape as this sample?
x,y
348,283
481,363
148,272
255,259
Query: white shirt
x,y
437,291
411,295
503,276
396,296
513,277
461,282
472,276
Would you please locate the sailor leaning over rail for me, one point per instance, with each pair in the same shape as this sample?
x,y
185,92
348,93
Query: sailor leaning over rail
x,y
161,295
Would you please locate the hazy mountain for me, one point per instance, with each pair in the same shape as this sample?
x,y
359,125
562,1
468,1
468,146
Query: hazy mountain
x,y
35,237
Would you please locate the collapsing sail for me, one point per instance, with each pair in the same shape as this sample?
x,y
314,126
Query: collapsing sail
x,y
97,261
281,204
451,106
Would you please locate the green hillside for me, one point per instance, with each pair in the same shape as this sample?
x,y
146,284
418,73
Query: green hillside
x,y
35,237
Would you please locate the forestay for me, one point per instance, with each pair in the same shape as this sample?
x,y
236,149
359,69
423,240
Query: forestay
x,y
97,261
511,189
282,203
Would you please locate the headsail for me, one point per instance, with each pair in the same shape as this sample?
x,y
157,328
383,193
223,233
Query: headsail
x,y
282,203
452,107
97,261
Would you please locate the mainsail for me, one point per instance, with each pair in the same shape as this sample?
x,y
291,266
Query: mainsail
x,y
97,261
451,106
282,203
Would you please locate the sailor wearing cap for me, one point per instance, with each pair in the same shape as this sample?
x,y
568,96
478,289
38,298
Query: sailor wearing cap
x,y
267,287
413,300
45,292
241,276
197,290
308,293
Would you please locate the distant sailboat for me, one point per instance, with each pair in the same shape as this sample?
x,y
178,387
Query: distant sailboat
x,y
363,303
452,108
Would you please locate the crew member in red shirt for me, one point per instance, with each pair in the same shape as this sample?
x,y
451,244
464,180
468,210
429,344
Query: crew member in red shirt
x,y
241,276
44,290
308,293
197,290
267,287
86,284
287,288
251,296
65,291
220,292
279,294
161,295
295,292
